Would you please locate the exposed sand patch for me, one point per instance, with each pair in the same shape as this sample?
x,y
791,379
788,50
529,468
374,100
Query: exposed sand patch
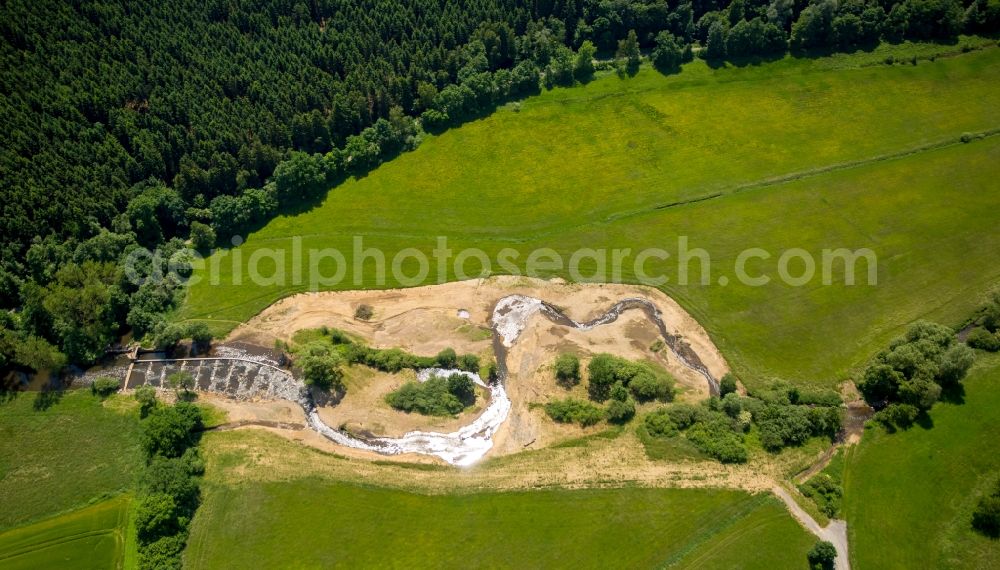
x,y
428,319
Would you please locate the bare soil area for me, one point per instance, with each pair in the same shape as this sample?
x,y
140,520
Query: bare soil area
x,y
425,320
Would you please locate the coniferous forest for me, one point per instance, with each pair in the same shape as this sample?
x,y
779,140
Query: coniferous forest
x,y
146,124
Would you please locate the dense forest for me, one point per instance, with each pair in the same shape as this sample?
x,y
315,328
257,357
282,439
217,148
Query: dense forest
x,y
147,124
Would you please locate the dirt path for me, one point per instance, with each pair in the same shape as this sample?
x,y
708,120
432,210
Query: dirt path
x,y
835,532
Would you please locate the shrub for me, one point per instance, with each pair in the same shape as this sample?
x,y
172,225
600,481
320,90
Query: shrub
x,y
605,370
897,415
601,376
146,396
621,411
684,415
819,397
321,366
647,386
469,363
181,381
727,385
104,387
202,236
572,410
983,340
732,405
825,492
659,424
714,435
782,426
169,431
463,388
447,358
619,392
567,370
364,312
822,555
338,336
991,313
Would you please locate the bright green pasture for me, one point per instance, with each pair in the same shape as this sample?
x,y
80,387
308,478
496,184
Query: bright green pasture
x,y
320,523
62,457
769,539
91,538
909,496
587,167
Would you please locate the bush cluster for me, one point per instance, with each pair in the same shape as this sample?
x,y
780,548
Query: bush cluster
x,y
714,433
438,396
825,491
983,339
169,490
644,381
914,371
717,425
395,359
169,336
321,366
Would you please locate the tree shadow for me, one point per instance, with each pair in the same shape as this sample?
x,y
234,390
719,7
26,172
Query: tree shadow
x,y
953,393
189,396
8,395
326,398
47,397
924,420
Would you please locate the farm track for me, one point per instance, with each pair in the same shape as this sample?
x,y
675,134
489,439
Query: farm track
x,y
835,532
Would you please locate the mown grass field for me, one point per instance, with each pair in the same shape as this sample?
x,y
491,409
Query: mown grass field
x,y
909,496
319,523
63,457
91,538
589,166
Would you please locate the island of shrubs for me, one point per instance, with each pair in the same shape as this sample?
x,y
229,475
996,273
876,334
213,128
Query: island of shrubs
x,y
438,396
617,381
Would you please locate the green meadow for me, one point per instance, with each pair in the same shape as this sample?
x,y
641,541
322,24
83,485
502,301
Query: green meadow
x,y
909,496
321,523
91,538
811,154
64,456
